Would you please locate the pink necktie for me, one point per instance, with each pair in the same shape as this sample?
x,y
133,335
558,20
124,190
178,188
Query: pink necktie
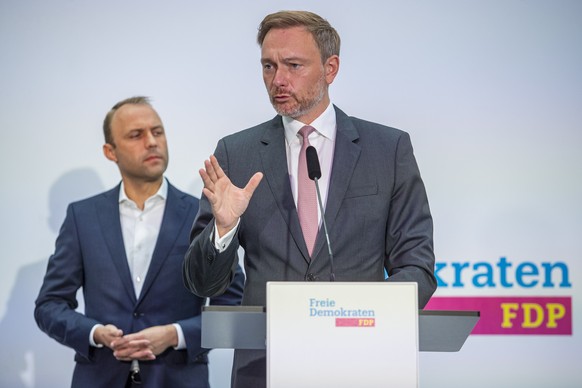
x,y
306,197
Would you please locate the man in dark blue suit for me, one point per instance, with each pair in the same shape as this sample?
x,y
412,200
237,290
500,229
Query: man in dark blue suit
x,y
376,207
125,249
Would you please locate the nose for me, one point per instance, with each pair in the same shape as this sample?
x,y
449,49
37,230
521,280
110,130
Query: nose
x,y
150,140
281,77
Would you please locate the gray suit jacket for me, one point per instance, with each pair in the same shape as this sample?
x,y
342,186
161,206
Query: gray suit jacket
x,y
377,215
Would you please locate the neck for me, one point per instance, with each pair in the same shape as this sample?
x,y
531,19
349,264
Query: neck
x,y
140,191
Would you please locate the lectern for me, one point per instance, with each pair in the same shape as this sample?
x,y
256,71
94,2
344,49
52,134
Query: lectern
x,y
340,334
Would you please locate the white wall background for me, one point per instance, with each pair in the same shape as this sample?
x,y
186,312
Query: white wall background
x,y
491,93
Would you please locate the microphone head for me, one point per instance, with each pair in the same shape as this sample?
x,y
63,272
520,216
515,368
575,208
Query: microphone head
x,y
313,169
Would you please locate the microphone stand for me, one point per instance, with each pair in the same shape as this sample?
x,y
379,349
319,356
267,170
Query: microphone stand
x,y
332,274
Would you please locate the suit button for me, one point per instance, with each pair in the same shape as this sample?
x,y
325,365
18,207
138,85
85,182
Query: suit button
x,y
311,277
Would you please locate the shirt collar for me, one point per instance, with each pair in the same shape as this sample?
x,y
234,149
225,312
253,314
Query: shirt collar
x,y
161,193
325,125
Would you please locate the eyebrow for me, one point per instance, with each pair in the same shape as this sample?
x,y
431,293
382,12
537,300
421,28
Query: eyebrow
x,y
285,60
144,129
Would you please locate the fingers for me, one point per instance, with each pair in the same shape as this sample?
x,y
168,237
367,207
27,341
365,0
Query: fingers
x,y
105,335
129,349
130,341
205,178
212,169
135,337
113,331
211,173
141,355
216,167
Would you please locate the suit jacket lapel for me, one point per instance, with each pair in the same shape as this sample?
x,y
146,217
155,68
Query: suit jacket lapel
x,y
274,160
108,215
174,217
346,155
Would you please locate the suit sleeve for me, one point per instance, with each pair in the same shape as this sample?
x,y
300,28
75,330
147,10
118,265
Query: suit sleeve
x,y
56,303
206,272
192,327
234,293
409,236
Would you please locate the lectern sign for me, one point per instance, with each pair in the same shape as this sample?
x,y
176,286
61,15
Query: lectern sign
x,y
342,334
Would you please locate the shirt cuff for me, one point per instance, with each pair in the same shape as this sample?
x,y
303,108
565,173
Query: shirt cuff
x,y
181,340
91,339
223,242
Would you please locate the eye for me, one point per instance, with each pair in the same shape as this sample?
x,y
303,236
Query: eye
x,y
158,132
267,67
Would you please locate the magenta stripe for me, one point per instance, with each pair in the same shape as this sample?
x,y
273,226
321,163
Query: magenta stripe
x,y
513,315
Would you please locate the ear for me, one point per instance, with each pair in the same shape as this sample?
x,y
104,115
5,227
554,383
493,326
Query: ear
x,y
109,152
331,68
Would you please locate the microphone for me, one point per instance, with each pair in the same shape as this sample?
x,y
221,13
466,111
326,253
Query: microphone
x,y
313,168
314,173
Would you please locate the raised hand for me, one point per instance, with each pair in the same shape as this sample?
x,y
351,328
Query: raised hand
x,y
228,201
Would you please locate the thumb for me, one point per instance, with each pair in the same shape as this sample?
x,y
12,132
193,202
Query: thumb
x,y
253,183
114,331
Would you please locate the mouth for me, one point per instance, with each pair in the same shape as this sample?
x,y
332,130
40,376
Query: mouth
x,y
280,95
280,98
153,158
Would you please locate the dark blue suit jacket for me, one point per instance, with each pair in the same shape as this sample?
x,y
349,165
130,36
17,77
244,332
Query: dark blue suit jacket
x,y
90,254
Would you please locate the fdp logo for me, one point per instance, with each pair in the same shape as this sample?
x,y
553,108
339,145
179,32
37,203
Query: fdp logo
x,y
513,315
355,322
536,315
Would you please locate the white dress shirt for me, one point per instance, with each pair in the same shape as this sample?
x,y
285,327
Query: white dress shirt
x,y
140,229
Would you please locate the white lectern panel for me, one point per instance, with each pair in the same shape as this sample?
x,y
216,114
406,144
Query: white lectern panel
x,y
342,334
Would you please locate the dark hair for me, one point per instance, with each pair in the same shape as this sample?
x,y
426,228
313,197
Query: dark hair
x,y
325,36
138,100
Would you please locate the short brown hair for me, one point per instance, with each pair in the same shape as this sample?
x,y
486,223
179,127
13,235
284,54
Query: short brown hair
x,y
325,36
138,100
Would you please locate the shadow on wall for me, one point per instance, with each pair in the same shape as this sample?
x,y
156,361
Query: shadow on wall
x,y
28,357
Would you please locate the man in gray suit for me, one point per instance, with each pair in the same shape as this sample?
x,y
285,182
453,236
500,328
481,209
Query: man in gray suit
x,y
376,207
